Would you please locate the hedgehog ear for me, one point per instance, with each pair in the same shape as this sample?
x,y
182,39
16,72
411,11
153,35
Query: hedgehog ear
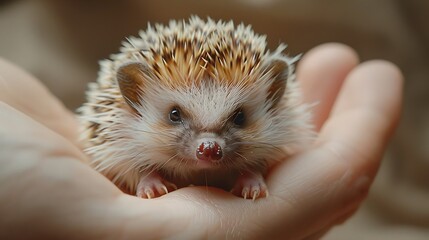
x,y
130,79
278,70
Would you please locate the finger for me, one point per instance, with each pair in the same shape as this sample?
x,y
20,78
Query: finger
x,y
365,115
25,93
321,73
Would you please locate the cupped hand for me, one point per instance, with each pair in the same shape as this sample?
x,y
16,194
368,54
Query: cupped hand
x,y
48,191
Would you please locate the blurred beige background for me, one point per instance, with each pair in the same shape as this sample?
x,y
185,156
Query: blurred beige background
x,y
60,42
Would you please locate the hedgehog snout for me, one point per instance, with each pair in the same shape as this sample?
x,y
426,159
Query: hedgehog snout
x,y
209,148
209,151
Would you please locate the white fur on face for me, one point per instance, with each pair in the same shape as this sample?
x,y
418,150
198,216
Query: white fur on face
x,y
205,108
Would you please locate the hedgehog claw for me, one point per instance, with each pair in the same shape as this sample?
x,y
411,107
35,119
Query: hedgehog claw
x,y
149,193
153,185
250,185
255,194
245,192
165,189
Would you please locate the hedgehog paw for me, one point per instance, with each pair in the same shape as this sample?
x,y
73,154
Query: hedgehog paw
x,y
250,186
152,185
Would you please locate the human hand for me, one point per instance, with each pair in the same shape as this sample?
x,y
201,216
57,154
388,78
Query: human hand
x,y
47,191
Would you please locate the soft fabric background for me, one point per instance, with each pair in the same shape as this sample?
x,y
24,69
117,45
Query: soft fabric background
x,y
61,41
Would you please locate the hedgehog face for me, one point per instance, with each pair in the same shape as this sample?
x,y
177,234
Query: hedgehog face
x,y
209,124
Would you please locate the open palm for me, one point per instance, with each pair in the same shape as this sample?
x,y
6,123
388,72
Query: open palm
x,y
47,190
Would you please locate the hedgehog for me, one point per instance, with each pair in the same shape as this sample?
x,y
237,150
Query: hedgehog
x,y
194,102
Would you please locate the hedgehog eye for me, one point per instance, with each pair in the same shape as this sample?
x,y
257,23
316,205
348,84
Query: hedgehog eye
x,y
175,115
239,118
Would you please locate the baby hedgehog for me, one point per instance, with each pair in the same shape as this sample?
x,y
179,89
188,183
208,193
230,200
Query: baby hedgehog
x,y
194,103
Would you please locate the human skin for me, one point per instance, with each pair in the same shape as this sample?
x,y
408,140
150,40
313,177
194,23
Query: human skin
x,y
48,191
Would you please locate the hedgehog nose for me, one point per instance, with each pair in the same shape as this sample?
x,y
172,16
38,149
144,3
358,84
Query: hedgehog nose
x,y
209,150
